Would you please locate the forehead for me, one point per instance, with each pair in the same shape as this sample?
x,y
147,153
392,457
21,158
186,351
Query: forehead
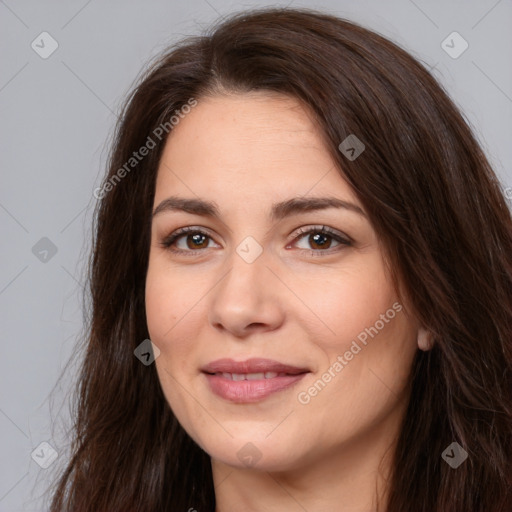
x,y
258,144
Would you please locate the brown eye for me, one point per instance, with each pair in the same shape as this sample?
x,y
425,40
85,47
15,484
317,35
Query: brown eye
x,y
195,241
194,238
320,239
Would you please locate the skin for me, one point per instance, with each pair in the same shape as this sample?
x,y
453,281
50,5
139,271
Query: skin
x,y
246,152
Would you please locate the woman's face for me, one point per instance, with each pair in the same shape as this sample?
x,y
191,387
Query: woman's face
x,y
253,280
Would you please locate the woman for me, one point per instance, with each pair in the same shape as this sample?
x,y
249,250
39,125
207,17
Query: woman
x,y
299,219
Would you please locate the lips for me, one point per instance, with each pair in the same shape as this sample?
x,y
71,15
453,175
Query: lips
x,y
251,366
252,380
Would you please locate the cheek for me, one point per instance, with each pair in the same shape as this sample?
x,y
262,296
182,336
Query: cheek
x,y
160,308
349,300
168,310
174,314
368,350
168,298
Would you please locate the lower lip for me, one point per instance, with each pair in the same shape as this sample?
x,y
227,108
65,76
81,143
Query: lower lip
x,y
247,391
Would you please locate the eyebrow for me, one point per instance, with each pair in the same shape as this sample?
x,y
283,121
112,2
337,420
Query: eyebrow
x,y
295,205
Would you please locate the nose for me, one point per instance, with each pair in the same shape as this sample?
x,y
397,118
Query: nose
x,y
247,299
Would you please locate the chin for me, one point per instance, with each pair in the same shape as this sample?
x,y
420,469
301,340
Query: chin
x,y
257,455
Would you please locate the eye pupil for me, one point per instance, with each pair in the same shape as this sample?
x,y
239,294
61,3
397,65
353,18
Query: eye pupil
x,y
317,239
196,240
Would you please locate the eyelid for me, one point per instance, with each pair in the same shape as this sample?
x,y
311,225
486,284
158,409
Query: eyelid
x,y
178,233
321,228
340,237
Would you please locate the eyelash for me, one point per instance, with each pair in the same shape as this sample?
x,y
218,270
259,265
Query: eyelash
x,y
168,241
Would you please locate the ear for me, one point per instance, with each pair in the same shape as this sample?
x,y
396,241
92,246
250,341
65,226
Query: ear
x,y
425,341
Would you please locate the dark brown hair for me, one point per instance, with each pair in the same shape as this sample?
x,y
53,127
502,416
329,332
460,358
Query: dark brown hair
x,y
436,205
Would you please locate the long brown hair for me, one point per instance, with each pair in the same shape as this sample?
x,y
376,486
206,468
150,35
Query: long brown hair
x,y
430,194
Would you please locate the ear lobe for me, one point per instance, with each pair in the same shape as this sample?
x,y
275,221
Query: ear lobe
x,y
425,341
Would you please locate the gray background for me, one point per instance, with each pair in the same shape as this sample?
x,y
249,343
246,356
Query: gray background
x,y
57,115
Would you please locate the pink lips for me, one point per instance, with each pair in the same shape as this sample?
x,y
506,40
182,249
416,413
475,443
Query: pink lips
x,y
279,377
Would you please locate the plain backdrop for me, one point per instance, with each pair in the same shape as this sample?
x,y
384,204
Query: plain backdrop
x,y
57,114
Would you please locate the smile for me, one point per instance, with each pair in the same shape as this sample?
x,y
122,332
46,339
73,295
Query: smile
x,y
250,387
251,376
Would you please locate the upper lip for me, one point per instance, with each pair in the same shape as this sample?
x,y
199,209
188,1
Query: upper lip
x,y
253,365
